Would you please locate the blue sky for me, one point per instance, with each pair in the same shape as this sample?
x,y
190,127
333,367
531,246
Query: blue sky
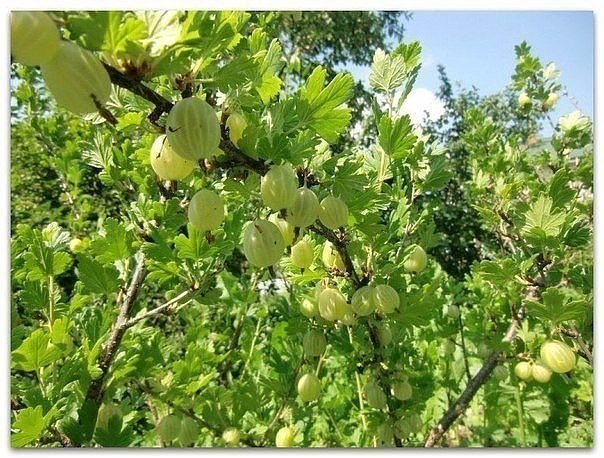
x,y
477,48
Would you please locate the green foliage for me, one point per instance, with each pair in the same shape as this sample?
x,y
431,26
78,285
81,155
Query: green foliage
x,y
119,302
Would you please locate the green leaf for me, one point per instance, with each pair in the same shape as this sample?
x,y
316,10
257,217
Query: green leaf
x,y
30,423
557,307
116,243
123,34
395,136
322,108
35,352
540,216
387,72
498,272
97,278
578,235
438,175
191,247
559,191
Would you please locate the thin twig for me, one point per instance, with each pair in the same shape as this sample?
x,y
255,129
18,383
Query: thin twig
x,y
453,413
96,388
157,310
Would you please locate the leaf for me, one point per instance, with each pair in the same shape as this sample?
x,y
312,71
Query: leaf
x,y
540,216
395,136
191,247
163,29
35,352
97,278
42,260
123,34
31,424
557,307
116,243
322,108
579,234
387,72
438,175
498,272
559,191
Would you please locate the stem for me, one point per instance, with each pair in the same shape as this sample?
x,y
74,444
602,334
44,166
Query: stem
x,y
453,413
251,351
463,348
156,311
359,388
96,389
51,301
520,410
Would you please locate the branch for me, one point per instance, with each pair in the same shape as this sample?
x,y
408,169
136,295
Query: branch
x,y
340,245
586,351
96,389
162,104
157,310
472,388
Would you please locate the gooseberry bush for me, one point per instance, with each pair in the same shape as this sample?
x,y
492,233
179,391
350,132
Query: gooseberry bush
x,y
229,266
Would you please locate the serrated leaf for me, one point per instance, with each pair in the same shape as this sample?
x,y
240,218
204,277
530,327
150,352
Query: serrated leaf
x,y
97,278
30,424
498,272
540,216
559,191
557,307
387,72
116,243
438,175
395,136
35,352
322,108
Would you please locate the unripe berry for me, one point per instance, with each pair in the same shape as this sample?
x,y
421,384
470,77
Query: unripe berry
x,y
285,437
417,260
263,244
193,129
384,334
541,373
331,257
524,371
305,209
376,397
34,37
309,387
302,254
309,308
333,212
363,301
551,100
314,343
166,163
524,100
385,298
76,77
206,210
332,305
231,437
278,187
286,229
558,356
453,311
